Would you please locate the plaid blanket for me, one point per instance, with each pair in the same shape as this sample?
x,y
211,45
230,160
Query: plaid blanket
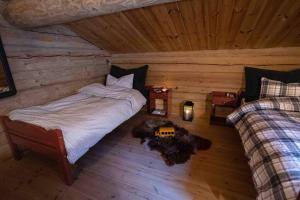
x,y
270,132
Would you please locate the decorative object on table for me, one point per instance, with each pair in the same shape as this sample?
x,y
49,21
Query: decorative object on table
x,y
164,89
159,101
174,150
188,111
223,103
165,132
157,90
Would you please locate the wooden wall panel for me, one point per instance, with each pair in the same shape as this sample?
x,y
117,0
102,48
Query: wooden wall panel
x,y
196,25
194,75
47,64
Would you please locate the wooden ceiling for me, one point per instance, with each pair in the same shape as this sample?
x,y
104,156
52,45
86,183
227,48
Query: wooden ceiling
x,y
196,25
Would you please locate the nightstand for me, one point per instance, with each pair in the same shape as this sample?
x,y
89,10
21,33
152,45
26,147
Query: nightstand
x,y
223,103
159,102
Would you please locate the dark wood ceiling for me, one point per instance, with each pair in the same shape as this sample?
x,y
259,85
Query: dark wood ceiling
x,y
196,25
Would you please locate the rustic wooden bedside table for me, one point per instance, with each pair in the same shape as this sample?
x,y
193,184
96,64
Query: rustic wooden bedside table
x,y
156,94
224,100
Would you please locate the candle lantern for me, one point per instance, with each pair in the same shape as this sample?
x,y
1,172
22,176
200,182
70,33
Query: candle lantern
x,y
188,111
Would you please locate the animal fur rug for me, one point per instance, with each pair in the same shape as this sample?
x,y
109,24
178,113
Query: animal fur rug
x,y
174,150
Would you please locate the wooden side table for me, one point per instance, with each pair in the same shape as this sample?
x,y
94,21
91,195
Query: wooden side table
x,y
157,93
228,100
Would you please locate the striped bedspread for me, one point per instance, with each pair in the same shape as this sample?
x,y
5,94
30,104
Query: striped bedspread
x,y
270,132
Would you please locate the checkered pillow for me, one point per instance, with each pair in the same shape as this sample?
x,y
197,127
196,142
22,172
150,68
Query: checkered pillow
x,y
272,88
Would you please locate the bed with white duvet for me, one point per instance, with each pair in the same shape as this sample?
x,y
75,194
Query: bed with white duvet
x,y
86,117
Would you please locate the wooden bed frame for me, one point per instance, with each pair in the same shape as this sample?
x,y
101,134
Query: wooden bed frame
x,y
22,135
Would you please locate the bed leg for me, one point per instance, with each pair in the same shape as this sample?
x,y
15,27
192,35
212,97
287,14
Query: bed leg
x,y
17,153
66,170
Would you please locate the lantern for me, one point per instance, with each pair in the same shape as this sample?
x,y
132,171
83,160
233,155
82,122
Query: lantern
x,y
188,111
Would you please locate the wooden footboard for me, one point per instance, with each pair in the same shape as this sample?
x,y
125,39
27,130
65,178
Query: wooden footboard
x,y
37,139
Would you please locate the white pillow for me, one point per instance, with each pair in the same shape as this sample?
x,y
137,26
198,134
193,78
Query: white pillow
x,y
124,81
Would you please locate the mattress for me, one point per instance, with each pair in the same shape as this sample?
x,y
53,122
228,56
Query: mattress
x,y
86,117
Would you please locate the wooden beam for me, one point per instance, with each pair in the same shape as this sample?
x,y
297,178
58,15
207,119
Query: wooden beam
x,y
36,13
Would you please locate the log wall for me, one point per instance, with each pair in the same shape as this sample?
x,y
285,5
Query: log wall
x,y
194,75
37,13
47,64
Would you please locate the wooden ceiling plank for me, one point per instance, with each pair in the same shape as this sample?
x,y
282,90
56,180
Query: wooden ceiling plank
x,y
178,21
141,39
199,23
263,21
187,16
257,24
207,24
274,22
106,31
103,29
213,16
174,30
137,39
156,28
277,52
219,22
239,13
86,33
226,16
90,28
138,22
293,36
118,28
288,16
160,14
254,13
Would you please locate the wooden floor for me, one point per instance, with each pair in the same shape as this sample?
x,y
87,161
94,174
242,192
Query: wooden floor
x,y
119,167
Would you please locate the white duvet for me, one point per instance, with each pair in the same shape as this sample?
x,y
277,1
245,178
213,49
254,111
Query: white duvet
x,y
84,118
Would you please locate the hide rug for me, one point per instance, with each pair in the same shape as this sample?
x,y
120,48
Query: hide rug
x,y
175,149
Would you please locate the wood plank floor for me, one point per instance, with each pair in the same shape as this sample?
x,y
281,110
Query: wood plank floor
x,y
119,167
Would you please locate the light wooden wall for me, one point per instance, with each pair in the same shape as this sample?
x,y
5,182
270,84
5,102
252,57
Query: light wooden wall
x,y
193,75
47,64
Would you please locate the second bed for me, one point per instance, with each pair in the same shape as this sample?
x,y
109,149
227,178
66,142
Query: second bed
x,y
82,119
